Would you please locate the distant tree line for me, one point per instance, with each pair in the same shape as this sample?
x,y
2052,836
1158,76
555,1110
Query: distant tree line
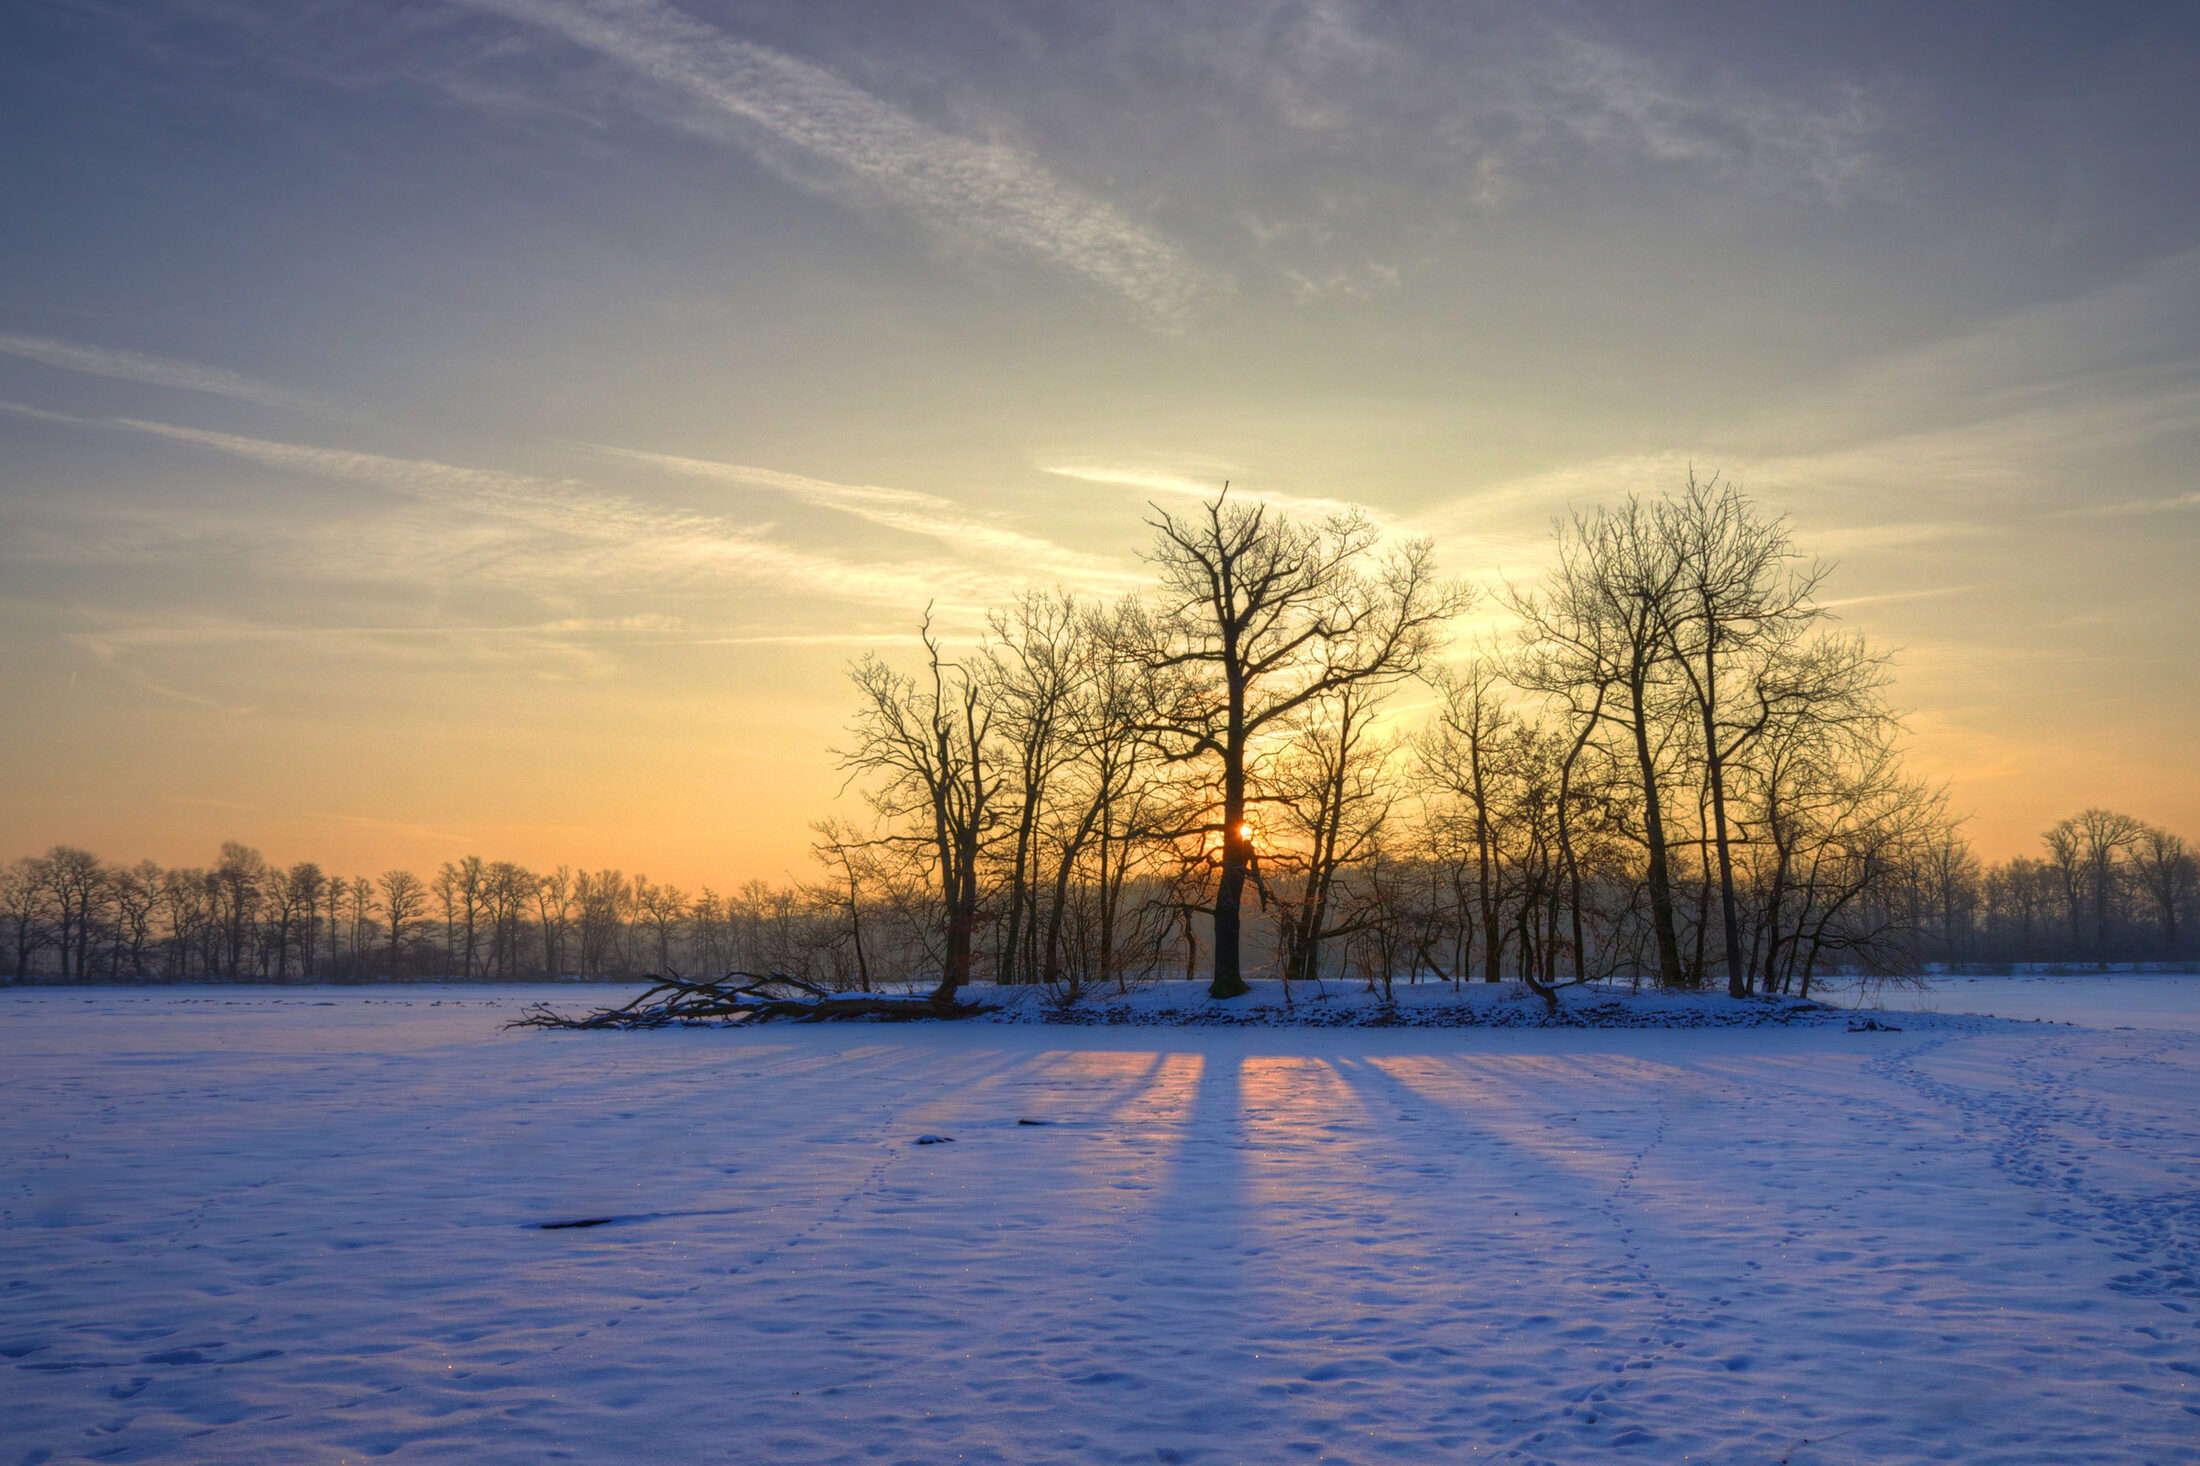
x,y
2104,888
1671,770
70,915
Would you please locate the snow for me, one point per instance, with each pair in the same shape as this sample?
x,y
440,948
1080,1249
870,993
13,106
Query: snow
x,y
2096,999
307,1225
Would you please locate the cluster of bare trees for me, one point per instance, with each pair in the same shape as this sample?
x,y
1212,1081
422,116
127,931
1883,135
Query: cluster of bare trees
x,y
2106,887
1671,768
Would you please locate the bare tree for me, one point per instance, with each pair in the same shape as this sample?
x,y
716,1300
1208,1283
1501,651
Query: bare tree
x,y
186,905
2018,893
460,889
2066,859
239,885
554,914
2088,849
1256,617
292,897
506,891
847,855
1823,770
1042,659
1460,756
25,911
1870,847
1333,793
359,914
1738,609
1950,875
2166,872
1544,666
664,908
598,898
135,892
76,889
931,746
1599,634
404,904
1102,822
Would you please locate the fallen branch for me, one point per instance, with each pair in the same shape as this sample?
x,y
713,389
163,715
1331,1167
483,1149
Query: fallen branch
x,y
744,997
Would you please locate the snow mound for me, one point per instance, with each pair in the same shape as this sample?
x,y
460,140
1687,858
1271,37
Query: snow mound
x,y
1418,1005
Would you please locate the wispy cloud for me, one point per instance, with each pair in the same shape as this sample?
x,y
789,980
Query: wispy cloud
x,y
151,653
822,132
625,539
1623,100
157,371
116,652
1484,104
1975,436
2170,504
1162,483
909,512
1920,593
41,414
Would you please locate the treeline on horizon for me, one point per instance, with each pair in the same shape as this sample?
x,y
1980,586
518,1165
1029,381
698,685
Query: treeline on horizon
x,y
1672,771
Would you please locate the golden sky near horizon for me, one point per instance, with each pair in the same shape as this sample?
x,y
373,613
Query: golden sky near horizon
x,y
493,427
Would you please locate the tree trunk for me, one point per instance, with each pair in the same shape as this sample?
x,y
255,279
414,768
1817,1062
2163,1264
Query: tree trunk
x,y
1653,826
1229,980
1737,982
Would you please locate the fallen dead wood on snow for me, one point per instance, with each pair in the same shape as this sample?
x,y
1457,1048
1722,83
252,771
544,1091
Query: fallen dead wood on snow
x,y
745,997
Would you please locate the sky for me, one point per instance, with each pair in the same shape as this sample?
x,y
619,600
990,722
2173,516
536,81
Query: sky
x,y
492,426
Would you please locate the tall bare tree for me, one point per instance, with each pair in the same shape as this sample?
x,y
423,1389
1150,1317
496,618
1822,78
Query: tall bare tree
x,y
1043,657
1739,606
1598,633
1257,616
931,746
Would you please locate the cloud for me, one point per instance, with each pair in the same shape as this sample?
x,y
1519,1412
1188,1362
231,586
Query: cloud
x,y
1983,434
906,511
1150,482
1620,100
157,371
2168,505
41,414
800,118
624,539
1918,593
1499,99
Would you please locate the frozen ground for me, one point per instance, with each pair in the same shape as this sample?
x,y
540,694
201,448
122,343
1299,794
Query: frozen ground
x,y
305,1227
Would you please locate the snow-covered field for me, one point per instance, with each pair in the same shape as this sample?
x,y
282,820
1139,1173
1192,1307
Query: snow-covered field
x,y
306,1226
